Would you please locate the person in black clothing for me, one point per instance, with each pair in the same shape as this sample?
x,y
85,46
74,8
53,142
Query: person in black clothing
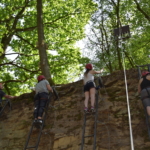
x,y
3,94
144,90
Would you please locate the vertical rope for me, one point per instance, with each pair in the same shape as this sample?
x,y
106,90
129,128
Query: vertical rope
x,y
128,105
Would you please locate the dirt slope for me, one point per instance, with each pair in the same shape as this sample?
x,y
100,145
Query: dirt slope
x,y
63,127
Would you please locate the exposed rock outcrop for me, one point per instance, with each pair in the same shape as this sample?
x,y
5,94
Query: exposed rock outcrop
x,y
63,128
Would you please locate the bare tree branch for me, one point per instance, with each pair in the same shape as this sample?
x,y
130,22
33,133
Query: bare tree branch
x,y
26,41
21,54
11,63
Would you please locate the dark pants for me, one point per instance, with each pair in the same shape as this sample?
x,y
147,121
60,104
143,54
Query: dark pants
x,y
145,97
40,101
88,86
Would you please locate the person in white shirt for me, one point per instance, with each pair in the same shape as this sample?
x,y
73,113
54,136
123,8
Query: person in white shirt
x,y
89,87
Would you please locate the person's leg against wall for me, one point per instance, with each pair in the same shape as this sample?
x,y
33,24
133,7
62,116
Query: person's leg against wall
x,y
146,105
42,105
36,108
92,95
148,102
148,110
86,99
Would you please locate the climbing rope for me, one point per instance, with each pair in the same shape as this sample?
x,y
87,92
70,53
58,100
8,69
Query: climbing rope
x,y
128,106
127,96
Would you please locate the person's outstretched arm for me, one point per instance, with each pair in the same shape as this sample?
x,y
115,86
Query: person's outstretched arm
x,y
9,96
49,88
96,72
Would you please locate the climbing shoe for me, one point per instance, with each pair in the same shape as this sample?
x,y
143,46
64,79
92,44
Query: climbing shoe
x,y
92,110
35,121
86,110
40,121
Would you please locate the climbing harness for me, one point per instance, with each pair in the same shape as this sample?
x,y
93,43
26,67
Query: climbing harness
x,y
39,126
3,105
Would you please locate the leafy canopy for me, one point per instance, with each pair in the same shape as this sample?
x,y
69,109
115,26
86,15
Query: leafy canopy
x,y
64,22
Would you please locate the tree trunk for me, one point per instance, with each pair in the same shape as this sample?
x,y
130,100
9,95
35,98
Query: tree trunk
x,y
44,65
117,6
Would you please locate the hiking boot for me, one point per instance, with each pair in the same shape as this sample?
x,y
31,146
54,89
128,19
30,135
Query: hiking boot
x,y
86,110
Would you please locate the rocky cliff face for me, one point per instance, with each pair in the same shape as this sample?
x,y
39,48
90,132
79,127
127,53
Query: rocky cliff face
x,y
63,126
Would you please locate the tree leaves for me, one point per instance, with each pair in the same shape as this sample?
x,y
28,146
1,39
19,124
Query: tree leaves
x,y
64,23
111,15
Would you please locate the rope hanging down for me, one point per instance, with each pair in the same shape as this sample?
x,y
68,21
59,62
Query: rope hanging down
x,y
128,105
120,33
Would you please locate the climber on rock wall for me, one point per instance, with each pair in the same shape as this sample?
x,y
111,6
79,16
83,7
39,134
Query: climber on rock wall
x,y
144,90
3,94
42,90
89,87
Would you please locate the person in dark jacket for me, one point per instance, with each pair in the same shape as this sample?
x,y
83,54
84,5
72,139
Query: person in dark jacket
x,y
42,90
144,90
3,94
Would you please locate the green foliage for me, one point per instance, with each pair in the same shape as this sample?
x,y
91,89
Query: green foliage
x,y
108,51
64,23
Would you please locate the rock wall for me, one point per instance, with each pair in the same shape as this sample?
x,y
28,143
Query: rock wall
x,y
63,126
